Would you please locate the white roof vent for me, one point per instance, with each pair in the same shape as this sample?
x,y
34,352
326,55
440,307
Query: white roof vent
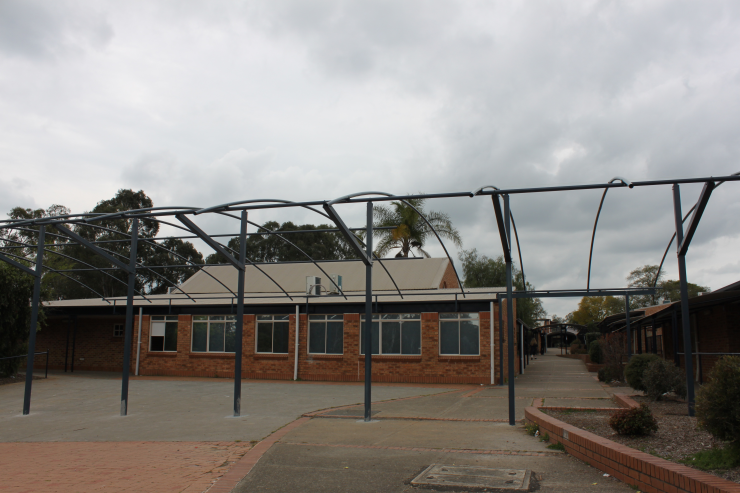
x,y
335,287
313,286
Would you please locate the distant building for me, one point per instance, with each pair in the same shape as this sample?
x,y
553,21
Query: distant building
x,y
715,328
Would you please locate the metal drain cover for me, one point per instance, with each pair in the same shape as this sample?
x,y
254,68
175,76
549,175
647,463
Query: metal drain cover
x,y
474,477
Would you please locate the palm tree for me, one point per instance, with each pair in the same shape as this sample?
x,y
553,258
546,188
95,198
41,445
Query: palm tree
x,y
411,230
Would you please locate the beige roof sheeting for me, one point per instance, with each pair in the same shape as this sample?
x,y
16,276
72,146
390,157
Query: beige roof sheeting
x,y
409,274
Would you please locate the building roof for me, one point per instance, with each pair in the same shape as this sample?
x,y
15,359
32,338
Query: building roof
x,y
409,274
418,279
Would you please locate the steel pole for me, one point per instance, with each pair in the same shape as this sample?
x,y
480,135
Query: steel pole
x,y
491,333
500,343
34,321
297,340
240,317
685,321
510,315
129,316
369,312
627,328
138,346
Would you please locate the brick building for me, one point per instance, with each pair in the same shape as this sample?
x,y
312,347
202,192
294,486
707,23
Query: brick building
x,y
424,330
714,321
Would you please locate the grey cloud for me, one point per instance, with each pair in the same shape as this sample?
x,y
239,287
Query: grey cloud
x,y
46,30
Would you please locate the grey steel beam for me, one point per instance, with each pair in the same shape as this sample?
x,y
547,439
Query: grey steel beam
x,y
34,322
79,239
366,258
209,241
685,321
369,315
701,204
128,329
501,228
240,317
18,265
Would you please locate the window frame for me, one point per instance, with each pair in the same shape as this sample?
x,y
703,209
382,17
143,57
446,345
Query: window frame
x,y
400,320
208,321
458,319
116,328
314,318
164,318
271,321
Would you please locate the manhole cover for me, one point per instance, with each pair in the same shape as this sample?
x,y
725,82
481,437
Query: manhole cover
x,y
473,477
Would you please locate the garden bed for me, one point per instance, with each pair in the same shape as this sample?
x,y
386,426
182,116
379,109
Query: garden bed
x,y
18,377
676,439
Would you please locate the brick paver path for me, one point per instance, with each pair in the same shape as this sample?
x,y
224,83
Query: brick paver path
x,y
70,467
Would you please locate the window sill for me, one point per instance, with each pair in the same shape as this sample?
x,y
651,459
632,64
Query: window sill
x,y
161,354
271,356
212,355
393,357
457,358
326,356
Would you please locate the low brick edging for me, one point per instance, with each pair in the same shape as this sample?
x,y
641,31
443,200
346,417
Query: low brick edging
x,y
648,473
625,401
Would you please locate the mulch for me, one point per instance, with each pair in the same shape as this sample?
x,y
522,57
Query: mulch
x,y
18,377
677,436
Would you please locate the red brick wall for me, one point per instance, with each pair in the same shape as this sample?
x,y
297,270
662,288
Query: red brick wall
x,y
95,343
95,349
449,280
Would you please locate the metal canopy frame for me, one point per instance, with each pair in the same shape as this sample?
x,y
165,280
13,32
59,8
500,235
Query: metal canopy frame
x,y
504,221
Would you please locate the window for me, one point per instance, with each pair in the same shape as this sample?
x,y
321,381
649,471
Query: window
x,y
163,333
393,333
273,333
214,334
459,333
118,330
326,334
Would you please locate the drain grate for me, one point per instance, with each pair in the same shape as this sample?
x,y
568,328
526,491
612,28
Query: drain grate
x,y
474,477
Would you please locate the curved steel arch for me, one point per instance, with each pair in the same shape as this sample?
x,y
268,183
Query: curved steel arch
x,y
359,194
153,243
673,237
224,207
97,269
62,274
596,221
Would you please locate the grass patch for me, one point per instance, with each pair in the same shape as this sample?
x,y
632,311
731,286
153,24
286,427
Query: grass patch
x,y
715,458
557,446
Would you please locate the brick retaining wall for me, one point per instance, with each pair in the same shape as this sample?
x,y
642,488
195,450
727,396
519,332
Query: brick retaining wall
x,y
648,473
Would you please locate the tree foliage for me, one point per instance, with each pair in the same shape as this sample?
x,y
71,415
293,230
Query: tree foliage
x,y
411,232
593,309
62,254
16,288
645,277
481,271
272,248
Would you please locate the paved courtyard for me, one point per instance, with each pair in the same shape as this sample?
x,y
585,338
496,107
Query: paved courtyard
x,y
179,435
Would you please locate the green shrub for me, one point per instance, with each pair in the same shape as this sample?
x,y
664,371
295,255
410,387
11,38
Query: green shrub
x,y
577,348
718,401
637,421
636,367
532,428
661,377
591,337
608,374
595,352
557,446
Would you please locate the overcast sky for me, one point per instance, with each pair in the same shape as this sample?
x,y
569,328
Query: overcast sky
x,y
200,103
